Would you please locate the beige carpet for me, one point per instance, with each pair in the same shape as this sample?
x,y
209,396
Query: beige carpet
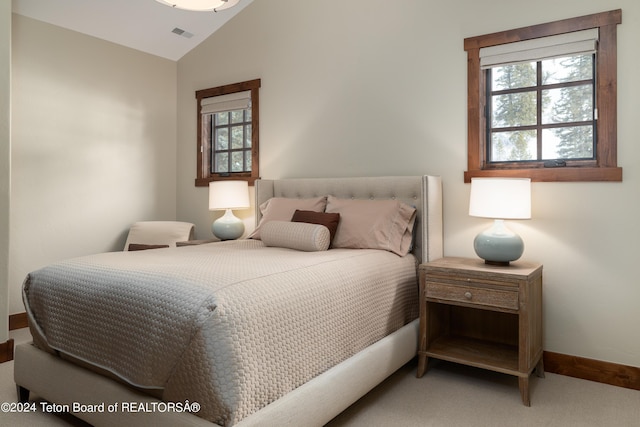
x,y
448,395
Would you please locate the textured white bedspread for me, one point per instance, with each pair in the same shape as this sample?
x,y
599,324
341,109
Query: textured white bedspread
x,y
232,325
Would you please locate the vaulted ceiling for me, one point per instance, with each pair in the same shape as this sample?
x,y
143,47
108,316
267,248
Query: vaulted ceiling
x,y
145,25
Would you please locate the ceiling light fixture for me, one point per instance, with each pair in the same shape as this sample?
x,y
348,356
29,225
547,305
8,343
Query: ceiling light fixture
x,y
200,5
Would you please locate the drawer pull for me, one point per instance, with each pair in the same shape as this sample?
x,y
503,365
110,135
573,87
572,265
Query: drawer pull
x,y
467,295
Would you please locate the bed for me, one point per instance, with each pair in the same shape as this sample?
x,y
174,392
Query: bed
x,y
268,371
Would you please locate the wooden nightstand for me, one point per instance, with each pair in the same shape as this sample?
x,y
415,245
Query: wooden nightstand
x,y
484,316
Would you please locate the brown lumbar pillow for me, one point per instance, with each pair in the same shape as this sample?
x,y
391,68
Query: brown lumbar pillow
x,y
329,220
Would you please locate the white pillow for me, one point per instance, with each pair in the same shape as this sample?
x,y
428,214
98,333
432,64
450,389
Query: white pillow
x,y
300,236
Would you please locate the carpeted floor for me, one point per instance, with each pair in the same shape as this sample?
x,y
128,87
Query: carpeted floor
x,y
448,395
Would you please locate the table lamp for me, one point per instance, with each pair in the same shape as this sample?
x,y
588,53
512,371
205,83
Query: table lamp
x,y
228,195
500,199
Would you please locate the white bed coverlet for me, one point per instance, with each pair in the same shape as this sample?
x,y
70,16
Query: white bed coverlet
x,y
232,325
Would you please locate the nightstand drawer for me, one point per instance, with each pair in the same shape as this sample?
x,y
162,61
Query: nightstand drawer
x,y
471,295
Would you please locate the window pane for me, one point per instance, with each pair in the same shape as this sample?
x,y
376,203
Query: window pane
x,y
247,136
237,116
572,142
567,104
232,143
567,69
222,139
237,161
513,146
237,137
515,109
221,163
222,118
513,76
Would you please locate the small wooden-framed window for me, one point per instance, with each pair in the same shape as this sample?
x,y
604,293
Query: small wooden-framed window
x,y
524,142
227,146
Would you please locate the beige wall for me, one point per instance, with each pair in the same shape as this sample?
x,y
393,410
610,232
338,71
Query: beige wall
x,y
374,88
93,145
5,163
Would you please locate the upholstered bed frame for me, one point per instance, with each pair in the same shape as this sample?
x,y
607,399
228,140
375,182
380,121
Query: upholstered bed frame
x,y
312,404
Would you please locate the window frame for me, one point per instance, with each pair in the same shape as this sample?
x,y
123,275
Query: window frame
x,y
204,175
604,168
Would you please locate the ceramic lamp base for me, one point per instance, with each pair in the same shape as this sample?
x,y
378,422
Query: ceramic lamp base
x,y
228,226
498,245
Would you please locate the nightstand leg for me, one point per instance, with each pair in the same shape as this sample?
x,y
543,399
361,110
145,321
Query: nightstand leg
x,y
540,369
523,383
422,364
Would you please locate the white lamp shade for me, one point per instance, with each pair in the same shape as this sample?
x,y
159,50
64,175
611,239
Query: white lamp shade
x,y
228,195
500,198
200,5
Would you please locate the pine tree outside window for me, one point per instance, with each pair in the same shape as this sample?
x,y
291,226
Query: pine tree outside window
x,y
542,110
542,101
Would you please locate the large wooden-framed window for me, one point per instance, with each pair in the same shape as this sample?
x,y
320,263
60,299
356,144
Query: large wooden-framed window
x,y
601,164
228,137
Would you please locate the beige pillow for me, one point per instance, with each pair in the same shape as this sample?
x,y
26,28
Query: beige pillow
x,y
300,236
373,224
282,209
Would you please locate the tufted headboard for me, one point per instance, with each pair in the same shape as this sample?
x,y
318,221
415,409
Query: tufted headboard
x,y
422,192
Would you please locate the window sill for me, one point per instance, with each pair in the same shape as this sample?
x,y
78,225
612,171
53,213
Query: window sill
x,y
562,174
204,182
